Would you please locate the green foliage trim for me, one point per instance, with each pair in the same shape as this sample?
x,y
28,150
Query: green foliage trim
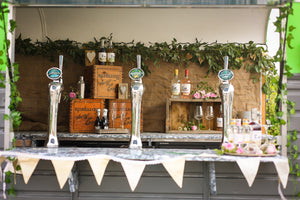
x,y
12,68
181,54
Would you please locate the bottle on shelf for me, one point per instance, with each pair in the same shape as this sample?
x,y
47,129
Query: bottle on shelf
x,y
98,123
110,54
104,121
220,119
102,54
256,127
81,87
175,86
186,86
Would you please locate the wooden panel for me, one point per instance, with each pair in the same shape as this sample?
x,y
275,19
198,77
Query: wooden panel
x,y
180,110
83,114
120,106
102,81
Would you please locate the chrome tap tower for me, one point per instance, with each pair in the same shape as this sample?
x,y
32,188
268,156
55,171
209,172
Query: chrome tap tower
x,y
226,92
137,90
55,89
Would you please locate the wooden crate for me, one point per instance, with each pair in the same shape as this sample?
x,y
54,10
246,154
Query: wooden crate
x,y
83,114
179,110
102,81
119,106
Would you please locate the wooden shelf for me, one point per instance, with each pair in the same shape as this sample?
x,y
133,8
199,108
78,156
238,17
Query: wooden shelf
x,y
196,132
179,110
195,100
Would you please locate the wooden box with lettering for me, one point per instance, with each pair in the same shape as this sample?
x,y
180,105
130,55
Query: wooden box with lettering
x,y
120,114
83,114
102,81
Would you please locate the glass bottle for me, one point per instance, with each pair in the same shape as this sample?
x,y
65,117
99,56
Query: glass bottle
x,y
220,119
104,121
110,54
175,86
102,54
81,87
186,86
98,121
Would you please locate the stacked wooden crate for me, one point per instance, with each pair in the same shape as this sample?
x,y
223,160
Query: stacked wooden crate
x,y
101,90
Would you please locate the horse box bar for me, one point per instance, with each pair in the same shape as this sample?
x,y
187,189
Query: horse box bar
x,y
83,114
102,81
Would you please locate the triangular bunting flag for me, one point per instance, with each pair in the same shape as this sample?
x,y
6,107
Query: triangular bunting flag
x,y
282,167
62,169
249,168
133,171
176,169
28,165
98,166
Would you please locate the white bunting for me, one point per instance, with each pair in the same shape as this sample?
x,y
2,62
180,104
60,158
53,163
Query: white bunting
x,y
28,165
133,171
62,169
282,168
175,168
98,166
249,168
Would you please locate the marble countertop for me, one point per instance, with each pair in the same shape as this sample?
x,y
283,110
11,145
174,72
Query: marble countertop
x,y
144,154
147,136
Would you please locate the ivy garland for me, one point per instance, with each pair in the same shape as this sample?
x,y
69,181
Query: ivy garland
x,y
181,54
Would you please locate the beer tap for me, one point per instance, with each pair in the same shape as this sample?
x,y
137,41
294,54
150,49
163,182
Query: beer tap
x,y
55,89
137,90
226,92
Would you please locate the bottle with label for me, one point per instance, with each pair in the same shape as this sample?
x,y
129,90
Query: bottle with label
x,y
256,129
175,86
104,121
220,119
186,86
110,54
98,121
102,54
81,87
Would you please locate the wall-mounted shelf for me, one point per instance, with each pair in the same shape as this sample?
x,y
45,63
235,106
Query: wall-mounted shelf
x,y
180,110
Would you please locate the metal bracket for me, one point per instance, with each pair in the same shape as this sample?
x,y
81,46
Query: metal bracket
x,y
209,186
73,179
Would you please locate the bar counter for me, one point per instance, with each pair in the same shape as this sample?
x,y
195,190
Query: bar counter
x,y
134,158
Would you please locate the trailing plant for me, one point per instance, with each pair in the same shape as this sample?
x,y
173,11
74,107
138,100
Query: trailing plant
x,y
13,75
12,69
286,33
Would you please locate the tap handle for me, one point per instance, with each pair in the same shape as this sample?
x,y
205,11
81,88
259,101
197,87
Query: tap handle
x,y
139,61
226,62
61,60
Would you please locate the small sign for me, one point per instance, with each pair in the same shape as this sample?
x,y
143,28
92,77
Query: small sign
x,y
54,73
136,74
225,75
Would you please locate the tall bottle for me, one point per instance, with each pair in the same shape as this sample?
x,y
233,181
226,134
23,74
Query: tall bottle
x,y
186,86
104,121
102,54
175,86
98,121
220,119
110,54
81,87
